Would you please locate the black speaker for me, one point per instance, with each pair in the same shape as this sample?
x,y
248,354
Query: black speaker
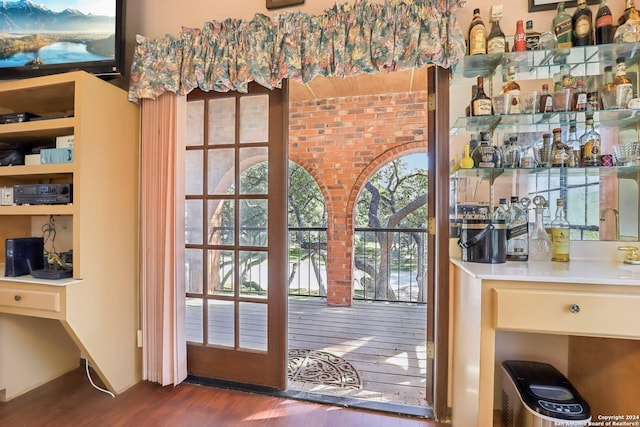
x,y
21,252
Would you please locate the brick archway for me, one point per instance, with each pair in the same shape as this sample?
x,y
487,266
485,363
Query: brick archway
x,y
341,142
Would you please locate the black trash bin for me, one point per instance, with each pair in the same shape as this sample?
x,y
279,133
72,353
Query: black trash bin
x,y
536,394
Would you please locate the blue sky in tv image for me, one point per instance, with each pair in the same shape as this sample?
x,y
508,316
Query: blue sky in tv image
x,y
95,7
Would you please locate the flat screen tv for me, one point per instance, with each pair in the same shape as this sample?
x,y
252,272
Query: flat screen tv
x,y
40,37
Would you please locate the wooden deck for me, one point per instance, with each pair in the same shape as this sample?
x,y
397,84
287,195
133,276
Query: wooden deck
x,y
385,343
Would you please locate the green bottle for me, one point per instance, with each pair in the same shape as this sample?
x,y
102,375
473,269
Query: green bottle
x,y
563,26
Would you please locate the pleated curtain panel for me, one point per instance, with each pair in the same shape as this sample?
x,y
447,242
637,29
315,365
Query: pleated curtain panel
x,y
345,40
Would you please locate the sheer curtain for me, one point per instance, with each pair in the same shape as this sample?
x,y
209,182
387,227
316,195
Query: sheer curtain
x,y
164,350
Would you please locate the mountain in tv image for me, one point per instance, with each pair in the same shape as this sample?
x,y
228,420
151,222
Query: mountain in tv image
x,y
33,35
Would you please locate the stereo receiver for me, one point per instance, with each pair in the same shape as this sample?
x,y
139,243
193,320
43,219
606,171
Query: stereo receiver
x,y
42,194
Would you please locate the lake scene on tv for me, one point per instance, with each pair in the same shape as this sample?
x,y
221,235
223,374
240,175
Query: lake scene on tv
x,y
36,33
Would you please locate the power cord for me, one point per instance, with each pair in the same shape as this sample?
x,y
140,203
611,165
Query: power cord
x,y
86,364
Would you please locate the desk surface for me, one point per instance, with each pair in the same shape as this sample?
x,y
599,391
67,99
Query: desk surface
x,y
581,271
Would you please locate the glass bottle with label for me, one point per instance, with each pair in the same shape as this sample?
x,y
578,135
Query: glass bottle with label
x,y
562,26
532,37
484,155
590,144
546,100
501,210
517,223
562,98
477,35
481,104
582,24
560,234
622,85
607,94
560,153
540,247
579,100
496,39
573,144
604,24
513,89
519,38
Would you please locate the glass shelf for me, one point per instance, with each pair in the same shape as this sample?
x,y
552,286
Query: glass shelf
x,y
528,61
620,118
491,174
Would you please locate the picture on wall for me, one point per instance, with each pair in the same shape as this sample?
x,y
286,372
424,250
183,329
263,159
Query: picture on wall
x,y
538,5
275,4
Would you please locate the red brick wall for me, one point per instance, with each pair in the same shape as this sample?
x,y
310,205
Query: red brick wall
x,y
342,142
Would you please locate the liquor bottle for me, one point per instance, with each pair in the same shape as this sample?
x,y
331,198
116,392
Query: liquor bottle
x,y
562,98
590,144
560,153
540,246
573,144
513,88
582,25
481,104
607,94
630,30
622,85
477,35
496,40
579,100
484,155
562,26
545,151
546,100
501,211
604,24
519,39
629,6
517,223
560,234
532,37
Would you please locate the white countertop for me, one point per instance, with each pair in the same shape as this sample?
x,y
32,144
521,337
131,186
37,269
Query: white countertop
x,y
579,271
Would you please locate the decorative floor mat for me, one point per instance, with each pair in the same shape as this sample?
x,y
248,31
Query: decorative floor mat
x,y
320,367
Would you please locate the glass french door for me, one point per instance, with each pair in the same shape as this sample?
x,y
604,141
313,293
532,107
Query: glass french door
x,y
236,236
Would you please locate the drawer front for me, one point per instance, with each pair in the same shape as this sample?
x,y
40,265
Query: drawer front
x,y
572,313
15,300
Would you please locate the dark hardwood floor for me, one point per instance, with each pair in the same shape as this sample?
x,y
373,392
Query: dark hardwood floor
x,y
71,401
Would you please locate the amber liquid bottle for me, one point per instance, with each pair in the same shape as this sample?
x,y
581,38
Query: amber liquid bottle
x,y
582,24
481,104
604,24
477,35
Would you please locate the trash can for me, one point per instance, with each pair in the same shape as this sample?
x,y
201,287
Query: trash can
x,y
536,394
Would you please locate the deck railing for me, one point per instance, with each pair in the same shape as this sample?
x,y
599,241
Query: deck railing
x,y
390,264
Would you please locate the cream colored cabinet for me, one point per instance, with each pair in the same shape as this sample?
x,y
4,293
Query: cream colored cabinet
x,y
95,313
551,320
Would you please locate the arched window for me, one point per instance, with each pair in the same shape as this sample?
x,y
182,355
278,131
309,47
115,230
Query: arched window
x,y
391,233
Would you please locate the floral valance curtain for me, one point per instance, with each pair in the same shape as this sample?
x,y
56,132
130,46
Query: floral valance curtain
x,y
345,40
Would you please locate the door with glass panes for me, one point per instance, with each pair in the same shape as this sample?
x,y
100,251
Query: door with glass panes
x,y
236,236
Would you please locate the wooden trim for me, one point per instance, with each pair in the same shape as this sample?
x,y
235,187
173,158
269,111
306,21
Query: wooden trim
x,y
439,163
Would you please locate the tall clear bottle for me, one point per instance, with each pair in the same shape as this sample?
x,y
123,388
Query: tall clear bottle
x,y
562,26
622,85
540,248
517,223
573,144
560,234
590,144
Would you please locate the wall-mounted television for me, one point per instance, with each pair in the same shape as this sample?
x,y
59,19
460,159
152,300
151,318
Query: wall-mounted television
x,y
40,37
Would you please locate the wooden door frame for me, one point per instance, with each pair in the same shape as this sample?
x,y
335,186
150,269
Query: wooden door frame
x,y
438,149
273,363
